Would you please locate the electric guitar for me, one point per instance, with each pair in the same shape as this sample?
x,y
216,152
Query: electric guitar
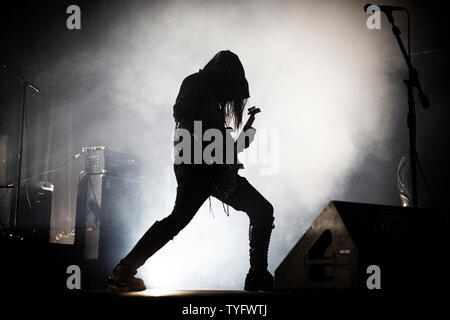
x,y
236,165
226,181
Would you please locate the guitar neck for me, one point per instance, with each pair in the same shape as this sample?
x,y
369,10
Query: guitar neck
x,y
249,122
247,125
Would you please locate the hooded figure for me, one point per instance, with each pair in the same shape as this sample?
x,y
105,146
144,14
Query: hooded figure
x,y
227,76
220,87
216,96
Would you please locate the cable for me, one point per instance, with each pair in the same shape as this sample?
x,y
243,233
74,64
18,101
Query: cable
x,y
409,35
75,156
26,161
417,157
426,183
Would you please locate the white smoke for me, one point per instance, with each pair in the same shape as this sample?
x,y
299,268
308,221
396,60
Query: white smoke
x,y
311,68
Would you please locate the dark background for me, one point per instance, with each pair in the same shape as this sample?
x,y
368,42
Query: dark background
x,y
34,38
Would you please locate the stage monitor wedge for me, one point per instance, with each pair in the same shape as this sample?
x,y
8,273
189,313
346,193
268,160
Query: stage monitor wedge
x,y
406,244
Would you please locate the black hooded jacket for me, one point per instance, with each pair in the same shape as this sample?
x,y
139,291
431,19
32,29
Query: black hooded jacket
x,y
222,79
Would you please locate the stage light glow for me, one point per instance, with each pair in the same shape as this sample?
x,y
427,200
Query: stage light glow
x,y
307,65
157,293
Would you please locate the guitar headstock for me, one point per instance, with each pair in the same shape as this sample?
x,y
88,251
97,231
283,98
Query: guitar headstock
x,y
253,110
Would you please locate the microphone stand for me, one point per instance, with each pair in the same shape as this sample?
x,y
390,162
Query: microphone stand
x,y
411,82
25,84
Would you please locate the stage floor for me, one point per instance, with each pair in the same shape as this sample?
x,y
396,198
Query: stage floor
x,y
167,293
219,304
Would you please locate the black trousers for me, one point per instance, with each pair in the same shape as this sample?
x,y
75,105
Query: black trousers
x,y
197,183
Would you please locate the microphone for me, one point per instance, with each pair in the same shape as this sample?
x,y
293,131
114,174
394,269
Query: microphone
x,y
26,83
33,87
385,9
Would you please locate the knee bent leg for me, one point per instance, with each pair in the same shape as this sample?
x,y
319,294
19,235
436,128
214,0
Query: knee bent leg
x,y
264,217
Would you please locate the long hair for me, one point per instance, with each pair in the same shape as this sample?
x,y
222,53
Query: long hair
x,y
233,111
